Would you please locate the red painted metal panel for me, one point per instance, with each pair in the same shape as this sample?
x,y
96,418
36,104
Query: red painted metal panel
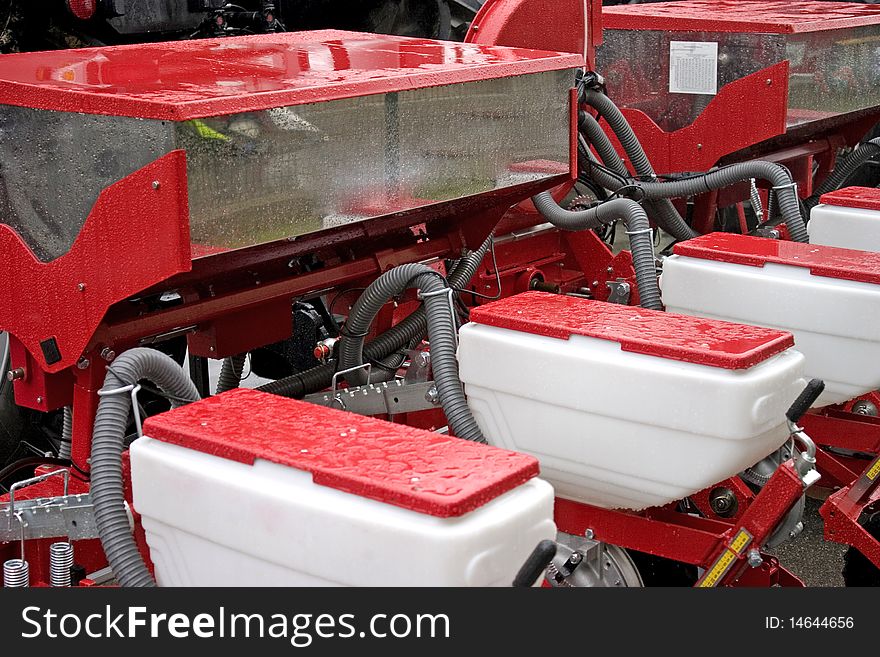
x,y
564,25
667,335
415,469
136,235
181,80
828,261
700,145
863,198
773,16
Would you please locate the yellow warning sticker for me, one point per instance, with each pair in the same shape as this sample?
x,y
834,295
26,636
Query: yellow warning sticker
x,y
737,546
742,540
874,471
717,571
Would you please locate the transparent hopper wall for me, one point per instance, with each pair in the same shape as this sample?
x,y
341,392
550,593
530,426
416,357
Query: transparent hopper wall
x,y
832,72
261,176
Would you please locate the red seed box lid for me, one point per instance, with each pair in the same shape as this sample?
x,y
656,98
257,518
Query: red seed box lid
x,y
863,198
431,473
750,16
827,261
654,333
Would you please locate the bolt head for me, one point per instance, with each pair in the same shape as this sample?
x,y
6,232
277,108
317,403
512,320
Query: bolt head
x,y
156,184
589,534
83,363
754,558
81,287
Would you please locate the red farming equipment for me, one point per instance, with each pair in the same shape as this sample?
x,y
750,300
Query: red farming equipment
x,y
548,286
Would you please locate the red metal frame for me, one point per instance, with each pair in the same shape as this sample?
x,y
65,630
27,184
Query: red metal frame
x,y
719,547
571,26
67,298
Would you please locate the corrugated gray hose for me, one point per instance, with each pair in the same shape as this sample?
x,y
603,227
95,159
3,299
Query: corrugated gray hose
x,y
66,433
777,175
230,373
597,137
666,215
413,327
107,446
638,228
844,170
441,332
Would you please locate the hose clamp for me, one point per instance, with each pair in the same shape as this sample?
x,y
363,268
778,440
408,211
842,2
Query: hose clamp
x,y
792,185
133,389
641,231
449,292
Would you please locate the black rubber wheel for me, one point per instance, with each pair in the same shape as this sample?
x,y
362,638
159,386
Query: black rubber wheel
x,y
857,569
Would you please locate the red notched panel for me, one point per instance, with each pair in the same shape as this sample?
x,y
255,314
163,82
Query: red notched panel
x,y
700,145
828,261
136,235
415,469
864,198
651,332
182,80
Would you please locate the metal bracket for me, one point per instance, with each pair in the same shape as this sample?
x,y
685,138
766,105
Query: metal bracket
x,y
386,398
49,517
619,291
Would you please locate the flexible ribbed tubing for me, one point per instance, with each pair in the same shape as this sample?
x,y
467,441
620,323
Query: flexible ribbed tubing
x,y
637,225
777,175
666,215
412,327
230,373
441,332
106,459
844,170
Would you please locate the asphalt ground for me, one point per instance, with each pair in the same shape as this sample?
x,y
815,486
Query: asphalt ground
x,y
809,556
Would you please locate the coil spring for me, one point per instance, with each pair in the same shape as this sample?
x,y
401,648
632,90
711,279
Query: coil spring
x,y
16,573
60,562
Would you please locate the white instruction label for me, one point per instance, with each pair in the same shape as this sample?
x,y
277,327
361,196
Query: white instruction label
x,y
693,67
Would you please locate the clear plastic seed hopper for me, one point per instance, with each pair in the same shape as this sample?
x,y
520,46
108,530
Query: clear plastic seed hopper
x,y
126,164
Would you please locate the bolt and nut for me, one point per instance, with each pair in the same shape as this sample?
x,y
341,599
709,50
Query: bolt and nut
x,y
16,374
754,558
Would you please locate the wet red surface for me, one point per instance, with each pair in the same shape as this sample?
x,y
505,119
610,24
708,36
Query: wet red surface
x,y
427,472
865,198
667,335
181,80
738,16
828,261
